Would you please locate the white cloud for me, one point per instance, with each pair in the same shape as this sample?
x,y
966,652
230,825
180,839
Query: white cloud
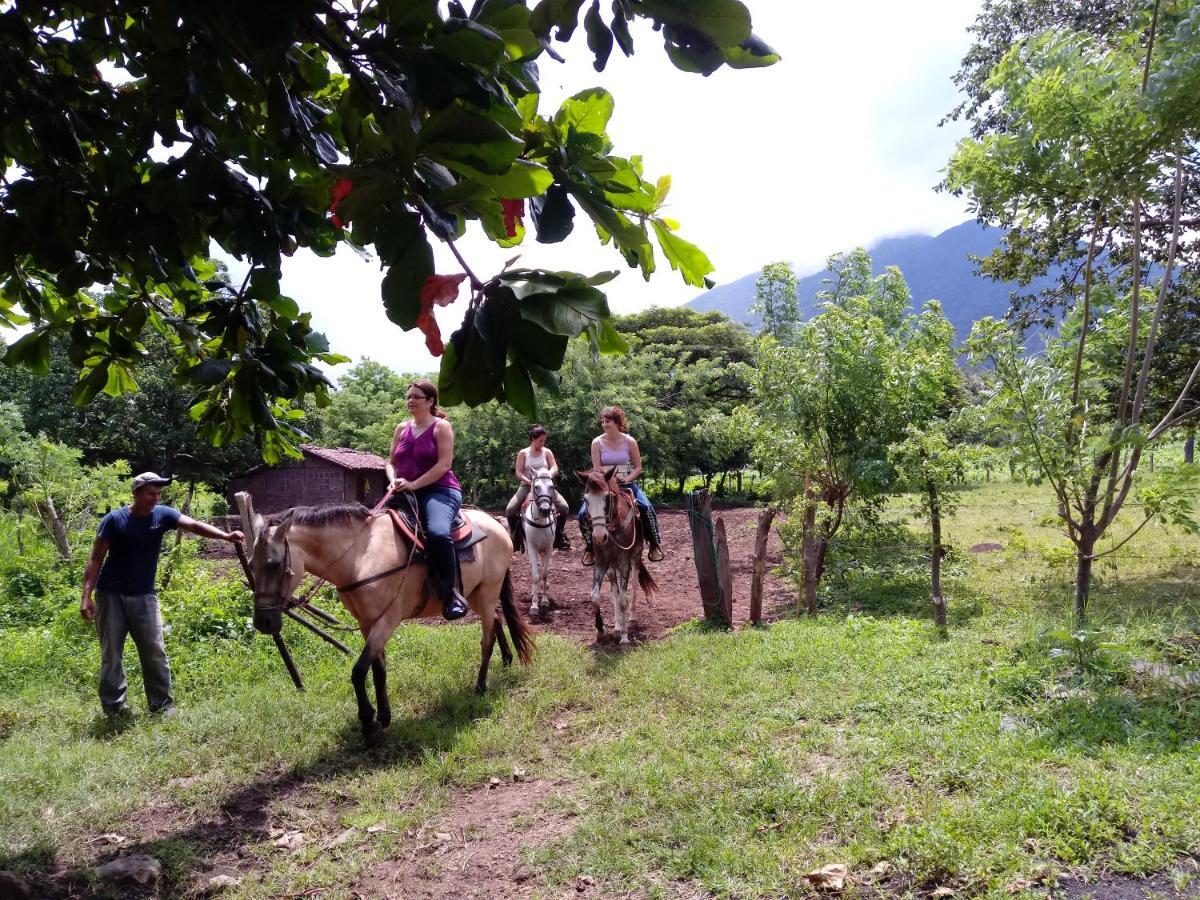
x,y
835,146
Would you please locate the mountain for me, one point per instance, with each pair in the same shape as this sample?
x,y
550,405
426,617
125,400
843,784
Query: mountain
x,y
936,268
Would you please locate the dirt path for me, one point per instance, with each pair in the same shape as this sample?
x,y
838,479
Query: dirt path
x,y
678,597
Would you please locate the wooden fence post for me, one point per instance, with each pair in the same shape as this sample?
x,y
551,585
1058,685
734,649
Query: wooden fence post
x,y
760,563
710,551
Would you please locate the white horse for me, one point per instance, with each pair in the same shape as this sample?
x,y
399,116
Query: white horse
x,y
539,518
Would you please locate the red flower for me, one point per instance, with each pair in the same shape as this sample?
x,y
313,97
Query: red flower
x,y
514,212
341,190
440,290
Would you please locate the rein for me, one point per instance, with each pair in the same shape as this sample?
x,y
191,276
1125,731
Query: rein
x,y
612,509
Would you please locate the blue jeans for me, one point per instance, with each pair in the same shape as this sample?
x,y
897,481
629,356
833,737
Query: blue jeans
x,y
136,616
642,500
439,505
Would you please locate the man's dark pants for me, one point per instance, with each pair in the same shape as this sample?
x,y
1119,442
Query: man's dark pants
x,y
137,616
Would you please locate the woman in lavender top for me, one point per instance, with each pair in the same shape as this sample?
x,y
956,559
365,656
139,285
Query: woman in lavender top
x,y
615,447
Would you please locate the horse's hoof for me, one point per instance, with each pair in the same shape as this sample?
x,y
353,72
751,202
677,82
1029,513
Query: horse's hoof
x,y
372,734
533,610
481,689
624,642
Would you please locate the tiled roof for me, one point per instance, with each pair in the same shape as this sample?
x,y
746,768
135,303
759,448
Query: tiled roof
x,y
345,457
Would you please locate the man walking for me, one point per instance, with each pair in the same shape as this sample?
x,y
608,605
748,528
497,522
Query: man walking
x,y
126,601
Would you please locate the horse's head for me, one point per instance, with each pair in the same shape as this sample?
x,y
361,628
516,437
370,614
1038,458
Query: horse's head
x,y
542,488
276,568
599,492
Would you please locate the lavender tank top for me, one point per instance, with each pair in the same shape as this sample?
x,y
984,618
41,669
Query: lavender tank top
x,y
619,458
416,456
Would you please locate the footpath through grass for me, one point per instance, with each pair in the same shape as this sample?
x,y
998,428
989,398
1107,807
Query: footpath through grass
x,y
987,760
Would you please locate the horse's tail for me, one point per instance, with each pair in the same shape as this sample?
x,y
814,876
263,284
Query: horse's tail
x,y
520,630
646,580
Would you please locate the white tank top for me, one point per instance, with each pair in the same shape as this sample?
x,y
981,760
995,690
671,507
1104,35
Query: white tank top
x,y
535,461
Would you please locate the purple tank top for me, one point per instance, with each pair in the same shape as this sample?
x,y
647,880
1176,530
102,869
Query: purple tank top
x,y
416,456
619,458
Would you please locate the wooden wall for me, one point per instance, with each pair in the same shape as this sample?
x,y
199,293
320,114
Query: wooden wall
x,y
308,483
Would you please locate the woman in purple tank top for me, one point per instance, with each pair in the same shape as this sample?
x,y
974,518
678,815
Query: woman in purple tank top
x,y
615,447
422,453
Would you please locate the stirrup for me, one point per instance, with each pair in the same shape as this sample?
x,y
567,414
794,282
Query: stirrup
x,y
454,608
656,553
589,558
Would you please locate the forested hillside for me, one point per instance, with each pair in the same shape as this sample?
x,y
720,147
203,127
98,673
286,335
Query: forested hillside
x,y
935,267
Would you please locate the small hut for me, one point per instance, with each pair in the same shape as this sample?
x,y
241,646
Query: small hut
x,y
324,475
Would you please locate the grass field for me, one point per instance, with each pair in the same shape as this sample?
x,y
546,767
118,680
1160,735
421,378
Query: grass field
x,y
984,761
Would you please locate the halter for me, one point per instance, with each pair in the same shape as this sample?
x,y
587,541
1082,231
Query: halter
x,y
279,600
551,516
611,500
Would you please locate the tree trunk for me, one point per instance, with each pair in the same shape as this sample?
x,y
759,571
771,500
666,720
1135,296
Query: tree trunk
x,y
760,563
1083,580
1189,447
185,509
56,526
810,556
739,480
935,557
721,483
682,484
20,528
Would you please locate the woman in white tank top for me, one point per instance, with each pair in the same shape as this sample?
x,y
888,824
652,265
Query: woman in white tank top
x,y
536,456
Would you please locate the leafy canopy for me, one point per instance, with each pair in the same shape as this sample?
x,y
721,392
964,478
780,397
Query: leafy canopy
x,y
135,134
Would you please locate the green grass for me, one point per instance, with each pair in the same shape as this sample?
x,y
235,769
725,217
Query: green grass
x,y
1000,752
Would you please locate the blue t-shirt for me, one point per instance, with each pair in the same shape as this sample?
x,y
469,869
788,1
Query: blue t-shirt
x,y
135,543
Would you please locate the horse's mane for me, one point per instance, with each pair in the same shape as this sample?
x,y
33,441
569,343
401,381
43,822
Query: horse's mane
x,y
325,514
596,480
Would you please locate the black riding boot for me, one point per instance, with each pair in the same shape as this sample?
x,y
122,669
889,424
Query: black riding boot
x,y
588,558
560,539
650,526
439,554
517,529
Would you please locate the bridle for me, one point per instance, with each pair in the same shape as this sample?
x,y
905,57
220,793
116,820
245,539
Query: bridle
x,y
279,601
551,514
612,510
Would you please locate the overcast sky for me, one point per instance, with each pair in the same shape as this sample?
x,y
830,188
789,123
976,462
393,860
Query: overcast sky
x,y
835,146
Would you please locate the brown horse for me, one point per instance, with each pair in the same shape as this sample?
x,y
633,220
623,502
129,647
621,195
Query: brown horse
x,y
366,558
616,546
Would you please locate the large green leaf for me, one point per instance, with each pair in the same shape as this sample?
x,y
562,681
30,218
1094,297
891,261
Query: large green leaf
x,y
403,282
725,22
752,53
518,391
683,255
568,311
588,111
599,38
455,134
553,215
524,179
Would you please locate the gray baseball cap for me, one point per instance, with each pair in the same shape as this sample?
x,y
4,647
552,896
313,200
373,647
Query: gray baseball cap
x,y
140,481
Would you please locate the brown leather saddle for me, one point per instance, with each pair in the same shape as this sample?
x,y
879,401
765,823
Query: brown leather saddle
x,y
464,533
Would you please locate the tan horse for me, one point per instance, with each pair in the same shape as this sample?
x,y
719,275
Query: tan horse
x,y
617,545
366,559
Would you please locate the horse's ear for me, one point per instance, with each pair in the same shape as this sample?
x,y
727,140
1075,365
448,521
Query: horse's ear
x,y
609,473
583,476
280,532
